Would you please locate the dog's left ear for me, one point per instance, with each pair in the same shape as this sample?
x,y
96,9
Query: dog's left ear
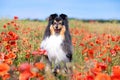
x,y
63,16
52,16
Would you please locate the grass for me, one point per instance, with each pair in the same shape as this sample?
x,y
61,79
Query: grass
x,y
94,45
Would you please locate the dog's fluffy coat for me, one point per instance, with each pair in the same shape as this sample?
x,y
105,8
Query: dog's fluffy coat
x,y
57,40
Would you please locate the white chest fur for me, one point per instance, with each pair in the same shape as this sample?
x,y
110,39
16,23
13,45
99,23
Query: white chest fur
x,y
54,50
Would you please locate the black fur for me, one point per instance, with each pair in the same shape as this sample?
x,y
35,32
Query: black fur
x,y
50,21
66,45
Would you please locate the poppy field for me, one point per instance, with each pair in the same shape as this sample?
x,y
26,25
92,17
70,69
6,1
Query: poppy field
x,y
96,50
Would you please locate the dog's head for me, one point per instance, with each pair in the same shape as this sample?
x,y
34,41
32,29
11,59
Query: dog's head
x,y
57,23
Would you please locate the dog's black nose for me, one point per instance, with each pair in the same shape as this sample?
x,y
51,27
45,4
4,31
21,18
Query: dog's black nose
x,y
56,27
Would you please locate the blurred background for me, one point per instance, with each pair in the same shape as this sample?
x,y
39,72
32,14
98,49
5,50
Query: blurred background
x,y
79,9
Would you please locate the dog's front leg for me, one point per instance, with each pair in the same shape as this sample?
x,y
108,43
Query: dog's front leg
x,y
48,65
56,69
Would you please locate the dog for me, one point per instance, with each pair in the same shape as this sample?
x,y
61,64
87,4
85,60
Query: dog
x,y
57,41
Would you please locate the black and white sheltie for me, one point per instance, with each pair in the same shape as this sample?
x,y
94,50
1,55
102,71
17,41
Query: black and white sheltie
x,y
57,41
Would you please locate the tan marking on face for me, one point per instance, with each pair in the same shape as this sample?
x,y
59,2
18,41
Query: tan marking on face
x,y
59,24
55,21
52,30
62,32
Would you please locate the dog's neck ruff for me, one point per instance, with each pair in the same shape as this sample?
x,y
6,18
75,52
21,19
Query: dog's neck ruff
x,y
54,49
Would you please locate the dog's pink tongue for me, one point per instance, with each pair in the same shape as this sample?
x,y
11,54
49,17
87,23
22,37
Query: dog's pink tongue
x,y
57,30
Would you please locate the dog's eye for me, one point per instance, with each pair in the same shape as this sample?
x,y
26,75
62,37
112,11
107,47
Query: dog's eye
x,y
60,23
54,23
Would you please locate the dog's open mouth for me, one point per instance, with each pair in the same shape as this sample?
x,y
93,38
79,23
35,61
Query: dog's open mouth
x,y
57,30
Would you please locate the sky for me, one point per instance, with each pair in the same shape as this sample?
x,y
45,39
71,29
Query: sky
x,y
41,9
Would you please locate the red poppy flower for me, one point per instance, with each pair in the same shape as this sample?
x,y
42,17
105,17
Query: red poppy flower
x,y
91,53
40,52
8,47
89,77
2,55
107,59
8,23
77,76
8,61
13,43
84,50
13,35
91,43
4,26
98,41
82,44
12,22
40,65
108,46
10,55
116,70
24,67
25,71
113,38
15,17
4,68
113,52
103,66
95,70
6,76
25,75
102,76
116,47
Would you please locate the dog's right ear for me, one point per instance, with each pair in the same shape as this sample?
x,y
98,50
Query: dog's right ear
x,y
63,16
52,17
